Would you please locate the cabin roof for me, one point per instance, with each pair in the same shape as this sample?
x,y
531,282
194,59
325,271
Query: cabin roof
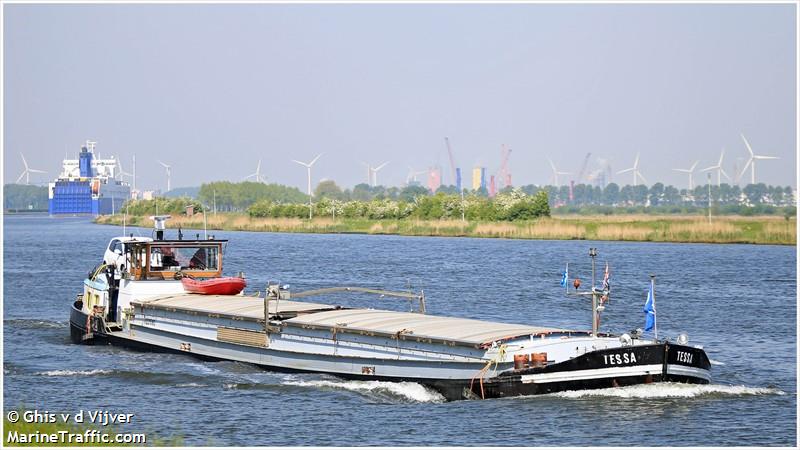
x,y
126,239
182,241
463,331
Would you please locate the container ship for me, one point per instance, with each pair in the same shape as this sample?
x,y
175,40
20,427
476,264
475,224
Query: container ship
x,y
88,185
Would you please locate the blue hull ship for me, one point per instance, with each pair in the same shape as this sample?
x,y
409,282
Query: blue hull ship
x,y
88,186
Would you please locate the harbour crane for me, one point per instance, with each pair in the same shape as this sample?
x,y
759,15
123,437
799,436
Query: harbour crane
x,y
583,167
452,162
505,175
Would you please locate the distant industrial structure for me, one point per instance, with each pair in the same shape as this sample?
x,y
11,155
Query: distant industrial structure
x,y
434,178
478,178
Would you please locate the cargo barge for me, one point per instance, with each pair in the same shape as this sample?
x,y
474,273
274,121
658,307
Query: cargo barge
x,y
88,186
135,298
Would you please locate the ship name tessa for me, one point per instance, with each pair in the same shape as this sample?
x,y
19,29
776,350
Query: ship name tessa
x,y
617,358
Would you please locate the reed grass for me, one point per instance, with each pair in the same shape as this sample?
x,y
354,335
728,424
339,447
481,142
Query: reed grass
x,y
627,232
635,227
556,229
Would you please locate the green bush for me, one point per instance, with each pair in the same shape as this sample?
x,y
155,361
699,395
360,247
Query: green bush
x,y
175,206
510,205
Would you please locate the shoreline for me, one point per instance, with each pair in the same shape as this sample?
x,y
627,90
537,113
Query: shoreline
x,y
633,228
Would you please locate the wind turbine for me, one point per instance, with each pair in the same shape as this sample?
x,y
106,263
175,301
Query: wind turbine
x,y
372,173
308,166
635,170
169,173
690,171
122,173
752,161
28,171
719,169
257,174
412,174
556,173
375,172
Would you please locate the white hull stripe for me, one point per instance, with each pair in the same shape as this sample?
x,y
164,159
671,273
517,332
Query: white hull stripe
x,y
588,374
697,372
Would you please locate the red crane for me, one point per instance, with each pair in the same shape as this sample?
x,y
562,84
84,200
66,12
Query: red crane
x,y
505,175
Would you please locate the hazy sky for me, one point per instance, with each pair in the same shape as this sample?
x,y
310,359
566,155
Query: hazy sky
x,y
211,89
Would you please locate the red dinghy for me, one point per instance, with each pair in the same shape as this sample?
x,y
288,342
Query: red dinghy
x,y
214,286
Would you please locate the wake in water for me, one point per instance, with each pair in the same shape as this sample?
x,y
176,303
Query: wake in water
x,y
35,324
403,390
72,373
670,390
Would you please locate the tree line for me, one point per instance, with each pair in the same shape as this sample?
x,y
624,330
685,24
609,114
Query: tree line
x,y
239,197
508,206
23,197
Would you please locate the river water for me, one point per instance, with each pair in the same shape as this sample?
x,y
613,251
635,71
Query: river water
x,y
738,301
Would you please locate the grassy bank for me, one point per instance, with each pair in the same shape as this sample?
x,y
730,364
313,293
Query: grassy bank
x,y
723,230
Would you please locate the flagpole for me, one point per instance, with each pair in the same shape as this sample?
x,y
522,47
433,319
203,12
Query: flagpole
x,y
655,311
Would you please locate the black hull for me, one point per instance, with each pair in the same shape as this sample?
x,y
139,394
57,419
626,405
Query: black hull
x,y
601,369
584,372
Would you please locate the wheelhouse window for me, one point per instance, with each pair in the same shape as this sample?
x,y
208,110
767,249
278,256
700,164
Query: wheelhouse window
x,y
184,258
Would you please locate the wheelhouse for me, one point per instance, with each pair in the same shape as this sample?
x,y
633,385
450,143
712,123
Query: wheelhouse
x,y
169,260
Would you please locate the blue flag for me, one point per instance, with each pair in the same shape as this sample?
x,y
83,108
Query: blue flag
x,y
649,310
564,276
